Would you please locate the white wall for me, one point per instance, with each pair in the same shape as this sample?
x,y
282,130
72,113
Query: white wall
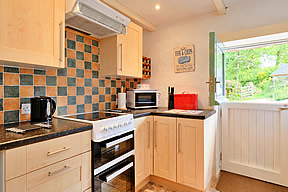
x,y
241,15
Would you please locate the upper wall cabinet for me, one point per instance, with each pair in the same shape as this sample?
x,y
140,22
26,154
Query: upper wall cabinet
x,y
32,32
121,55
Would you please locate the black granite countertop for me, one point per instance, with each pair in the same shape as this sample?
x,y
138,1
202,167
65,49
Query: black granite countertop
x,y
161,112
60,127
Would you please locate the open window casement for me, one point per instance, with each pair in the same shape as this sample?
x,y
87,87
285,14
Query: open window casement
x,y
216,70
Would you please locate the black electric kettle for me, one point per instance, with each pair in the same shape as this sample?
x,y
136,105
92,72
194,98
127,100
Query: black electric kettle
x,y
42,109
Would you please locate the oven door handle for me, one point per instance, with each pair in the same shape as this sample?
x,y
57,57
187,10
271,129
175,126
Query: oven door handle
x,y
117,141
114,173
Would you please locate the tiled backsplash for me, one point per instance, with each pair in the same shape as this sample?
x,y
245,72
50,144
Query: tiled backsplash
x,y
77,88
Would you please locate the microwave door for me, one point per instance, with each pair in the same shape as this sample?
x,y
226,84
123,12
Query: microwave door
x,y
145,99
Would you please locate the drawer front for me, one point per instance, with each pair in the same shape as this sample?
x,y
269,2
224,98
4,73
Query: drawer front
x,y
57,177
45,153
15,162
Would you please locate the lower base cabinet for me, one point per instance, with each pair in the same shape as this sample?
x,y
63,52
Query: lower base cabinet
x,y
143,148
71,174
184,150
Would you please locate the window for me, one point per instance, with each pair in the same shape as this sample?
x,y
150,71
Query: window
x,y
254,69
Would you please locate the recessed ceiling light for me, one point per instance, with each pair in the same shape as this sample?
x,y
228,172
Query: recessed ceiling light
x,y
157,7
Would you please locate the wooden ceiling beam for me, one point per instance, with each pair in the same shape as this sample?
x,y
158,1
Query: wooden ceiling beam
x,y
131,14
220,7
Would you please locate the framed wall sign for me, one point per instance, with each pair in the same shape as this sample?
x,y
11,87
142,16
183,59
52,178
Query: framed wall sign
x,y
184,59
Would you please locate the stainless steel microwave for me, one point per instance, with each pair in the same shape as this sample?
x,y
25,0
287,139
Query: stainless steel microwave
x,y
140,99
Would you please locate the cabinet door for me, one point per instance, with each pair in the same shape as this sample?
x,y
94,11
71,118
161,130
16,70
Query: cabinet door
x,y
130,48
32,32
165,147
190,152
16,184
143,148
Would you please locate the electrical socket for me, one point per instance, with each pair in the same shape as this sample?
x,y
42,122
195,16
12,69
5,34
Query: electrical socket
x,y
26,108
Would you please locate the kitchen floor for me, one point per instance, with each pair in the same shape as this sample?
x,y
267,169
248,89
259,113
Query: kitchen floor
x,y
229,182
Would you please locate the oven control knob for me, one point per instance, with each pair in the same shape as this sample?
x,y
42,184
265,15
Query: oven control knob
x,y
126,123
103,129
122,124
115,126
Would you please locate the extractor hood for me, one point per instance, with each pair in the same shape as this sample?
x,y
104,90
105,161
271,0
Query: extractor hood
x,y
95,18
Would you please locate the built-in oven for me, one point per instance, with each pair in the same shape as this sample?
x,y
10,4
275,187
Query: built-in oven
x,y
138,98
113,164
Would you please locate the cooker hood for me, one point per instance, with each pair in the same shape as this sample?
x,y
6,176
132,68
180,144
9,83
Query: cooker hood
x,y
95,18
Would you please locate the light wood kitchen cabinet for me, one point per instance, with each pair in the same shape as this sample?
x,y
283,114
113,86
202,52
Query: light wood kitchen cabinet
x,y
190,152
69,169
143,148
165,147
121,55
32,32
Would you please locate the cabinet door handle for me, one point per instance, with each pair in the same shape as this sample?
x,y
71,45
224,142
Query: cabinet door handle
x,y
59,171
179,137
121,62
155,126
61,41
58,151
149,134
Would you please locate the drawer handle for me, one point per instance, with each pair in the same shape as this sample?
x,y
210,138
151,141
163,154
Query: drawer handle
x,y
59,171
60,150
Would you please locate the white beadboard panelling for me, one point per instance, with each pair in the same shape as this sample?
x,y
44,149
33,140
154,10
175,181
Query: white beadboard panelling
x,y
253,140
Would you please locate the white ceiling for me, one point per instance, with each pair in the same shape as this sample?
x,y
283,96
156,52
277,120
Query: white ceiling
x,y
171,10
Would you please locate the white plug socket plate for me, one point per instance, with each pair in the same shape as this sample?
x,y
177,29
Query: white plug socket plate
x,y
26,108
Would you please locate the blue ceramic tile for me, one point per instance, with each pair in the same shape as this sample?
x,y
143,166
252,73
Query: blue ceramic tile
x,y
11,91
101,83
81,108
88,99
26,79
95,74
101,98
118,90
39,72
95,43
1,78
71,81
71,63
95,58
71,100
62,91
88,65
39,91
107,90
123,83
51,80
113,83
95,90
80,38
131,84
113,97
80,73
1,104
79,55
62,72
88,82
11,116
95,106
80,91
11,69
107,106
62,110
87,48
71,44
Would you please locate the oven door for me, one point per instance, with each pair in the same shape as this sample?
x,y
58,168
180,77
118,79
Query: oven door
x,y
110,152
118,178
145,99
